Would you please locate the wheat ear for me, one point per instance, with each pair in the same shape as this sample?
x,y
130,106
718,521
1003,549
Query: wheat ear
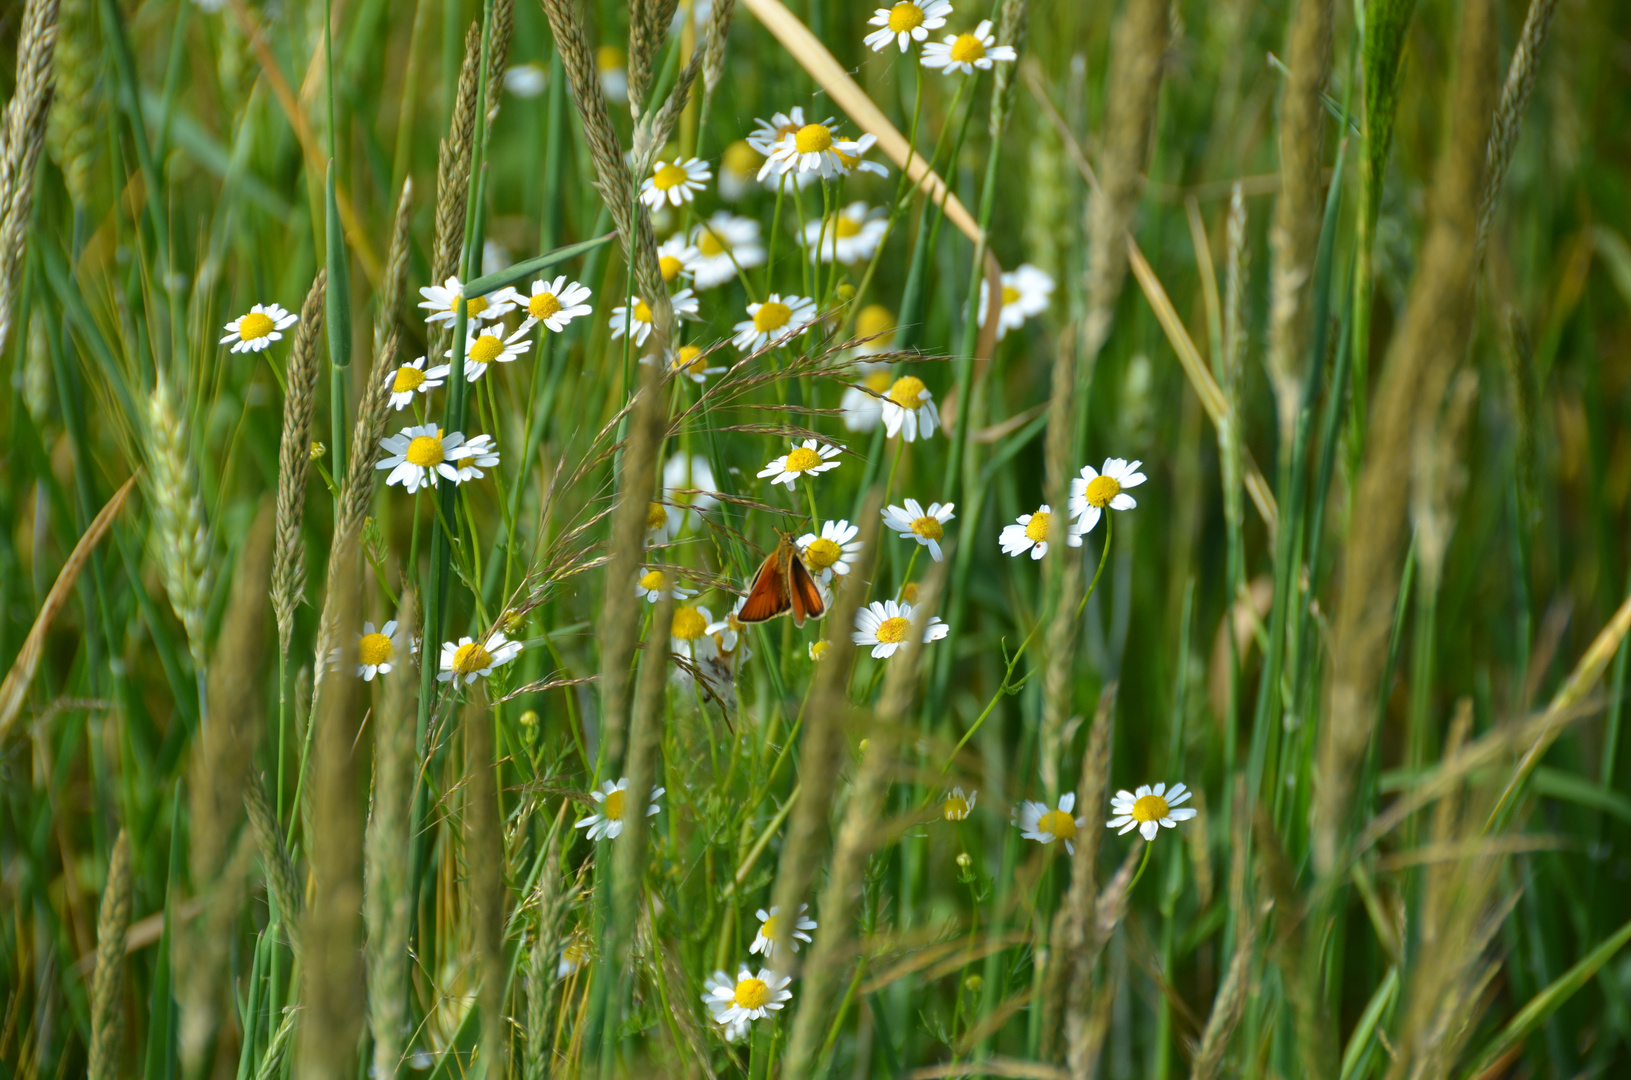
x,y
294,462
111,923
27,115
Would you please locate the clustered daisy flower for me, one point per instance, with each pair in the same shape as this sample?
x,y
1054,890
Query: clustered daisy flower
x,y
689,636
256,330
1037,822
885,625
962,53
635,318
850,236
808,458
675,183
908,409
376,650
779,319
1026,291
1031,532
830,552
749,996
1149,810
552,303
958,804
442,301
725,244
419,455
906,22
817,150
483,348
927,527
613,800
765,940
412,378
1098,490
655,584
469,659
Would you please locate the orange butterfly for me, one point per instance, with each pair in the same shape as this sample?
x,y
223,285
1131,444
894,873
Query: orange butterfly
x,y
783,584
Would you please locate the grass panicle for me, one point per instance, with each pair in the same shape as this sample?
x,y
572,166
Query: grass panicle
x,y
27,116
107,982
294,463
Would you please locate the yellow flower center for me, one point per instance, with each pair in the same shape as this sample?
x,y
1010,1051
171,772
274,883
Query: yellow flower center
x,y
893,631
407,379
771,315
475,305
425,451
905,17
1101,489
689,624
908,593
848,226
471,657
1036,530
689,358
813,138
642,313
486,349
768,928
955,808
543,306
873,319
653,579
929,527
254,325
1150,808
741,158
656,516
608,58
1010,295
801,459
1060,824
751,994
821,553
375,649
670,267
612,808
967,49
669,176
907,392
711,244
878,383
818,649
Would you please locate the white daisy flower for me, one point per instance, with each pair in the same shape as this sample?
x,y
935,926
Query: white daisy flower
x,y
727,632
613,798
724,243
553,303
746,997
376,650
1149,810
655,584
688,490
525,80
1025,294
774,322
675,183
468,659
1037,822
819,650
477,454
1093,492
689,633
958,804
815,149
691,362
573,957
906,22
809,458
676,259
485,345
735,1032
737,168
908,406
829,553
412,378
418,455
259,328
661,523
1031,534
927,527
884,624
848,237
850,157
863,411
638,313
965,52
442,300
768,134
612,68
765,940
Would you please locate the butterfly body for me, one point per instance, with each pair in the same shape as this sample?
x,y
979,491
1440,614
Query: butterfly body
x,y
782,585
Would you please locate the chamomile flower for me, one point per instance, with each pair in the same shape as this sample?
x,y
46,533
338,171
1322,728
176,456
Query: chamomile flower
x,y
442,303
1096,491
848,237
676,259
809,458
737,168
1037,822
1149,810
885,624
958,804
689,633
573,957
819,650
688,489
412,378
906,22
768,134
727,632
553,303
376,650
875,330
765,940
614,808
660,523
863,410
692,362
927,527
851,157
612,68
962,53
725,243
675,183
1030,533
1025,293
469,659
814,149
655,584
419,455
477,454
908,409
485,346
829,553
637,314
257,330
735,1032
746,997
777,320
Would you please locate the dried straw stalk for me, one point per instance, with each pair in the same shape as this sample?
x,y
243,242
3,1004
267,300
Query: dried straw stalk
x,y
294,461
111,923
1426,350
484,870
27,115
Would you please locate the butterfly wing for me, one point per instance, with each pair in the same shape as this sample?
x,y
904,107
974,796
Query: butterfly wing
x,y
768,595
806,594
